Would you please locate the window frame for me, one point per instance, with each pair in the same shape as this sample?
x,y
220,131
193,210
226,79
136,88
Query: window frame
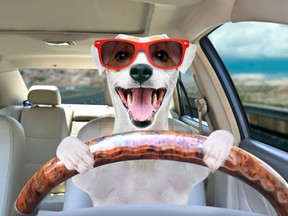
x,y
271,155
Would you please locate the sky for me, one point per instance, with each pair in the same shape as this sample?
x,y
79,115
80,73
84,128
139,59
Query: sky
x,y
251,40
253,47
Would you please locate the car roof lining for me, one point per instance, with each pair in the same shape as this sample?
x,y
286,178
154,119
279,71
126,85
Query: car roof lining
x,y
77,18
28,29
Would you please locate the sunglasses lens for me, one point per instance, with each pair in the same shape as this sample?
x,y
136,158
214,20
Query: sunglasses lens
x,y
117,53
166,54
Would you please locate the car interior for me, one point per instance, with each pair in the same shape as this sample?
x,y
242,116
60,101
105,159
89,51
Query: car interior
x,y
59,35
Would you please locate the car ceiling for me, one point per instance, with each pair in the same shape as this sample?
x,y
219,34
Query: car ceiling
x,y
27,25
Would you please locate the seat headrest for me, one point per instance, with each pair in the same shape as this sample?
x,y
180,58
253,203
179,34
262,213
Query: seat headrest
x,y
44,94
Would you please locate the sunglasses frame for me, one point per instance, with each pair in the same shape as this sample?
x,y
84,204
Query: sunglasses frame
x,y
144,46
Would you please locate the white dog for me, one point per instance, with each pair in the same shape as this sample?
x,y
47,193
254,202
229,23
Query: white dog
x,y
141,79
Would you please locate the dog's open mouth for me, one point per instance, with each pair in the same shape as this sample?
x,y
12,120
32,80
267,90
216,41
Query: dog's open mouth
x,y
141,103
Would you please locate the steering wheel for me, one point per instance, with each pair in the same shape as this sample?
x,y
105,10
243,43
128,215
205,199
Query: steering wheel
x,y
165,145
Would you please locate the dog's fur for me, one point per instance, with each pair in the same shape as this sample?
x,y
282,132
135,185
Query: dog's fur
x,y
142,181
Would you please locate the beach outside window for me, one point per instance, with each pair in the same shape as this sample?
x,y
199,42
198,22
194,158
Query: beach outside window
x,y
256,57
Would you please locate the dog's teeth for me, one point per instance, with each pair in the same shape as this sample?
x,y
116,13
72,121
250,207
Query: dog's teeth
x,y
129,99
154,100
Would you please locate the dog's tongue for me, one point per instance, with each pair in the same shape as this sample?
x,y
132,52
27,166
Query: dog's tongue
x,y
141,107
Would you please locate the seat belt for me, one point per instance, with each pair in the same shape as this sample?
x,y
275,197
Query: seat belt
x,y
201,105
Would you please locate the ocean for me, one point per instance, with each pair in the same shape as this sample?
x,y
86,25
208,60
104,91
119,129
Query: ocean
x,y
270,68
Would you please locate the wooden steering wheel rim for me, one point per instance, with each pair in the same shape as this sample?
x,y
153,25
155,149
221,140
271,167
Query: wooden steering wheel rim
x,y
165,145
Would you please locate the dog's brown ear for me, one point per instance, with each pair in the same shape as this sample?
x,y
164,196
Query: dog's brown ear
x,y
95,57
188,58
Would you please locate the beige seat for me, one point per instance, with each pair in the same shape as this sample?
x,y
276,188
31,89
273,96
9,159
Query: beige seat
x,y
76,198
45,124
11,162
12,110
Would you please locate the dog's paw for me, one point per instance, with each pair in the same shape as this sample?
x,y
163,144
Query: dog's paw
x,y
217,148
75,155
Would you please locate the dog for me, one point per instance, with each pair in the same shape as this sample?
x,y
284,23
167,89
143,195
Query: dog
x,y
141,89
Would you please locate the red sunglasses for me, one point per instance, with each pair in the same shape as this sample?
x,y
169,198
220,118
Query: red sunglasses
x,y
120,53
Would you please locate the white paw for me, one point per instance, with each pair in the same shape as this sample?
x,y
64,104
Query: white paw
x,y
217,148
75,155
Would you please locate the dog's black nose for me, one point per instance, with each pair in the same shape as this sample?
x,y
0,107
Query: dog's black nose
x,y
141,72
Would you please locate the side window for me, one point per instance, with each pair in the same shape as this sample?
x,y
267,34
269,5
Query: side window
x,y
192,113
256,57
191,90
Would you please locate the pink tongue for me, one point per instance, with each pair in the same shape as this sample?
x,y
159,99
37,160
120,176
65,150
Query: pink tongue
x,y
141,107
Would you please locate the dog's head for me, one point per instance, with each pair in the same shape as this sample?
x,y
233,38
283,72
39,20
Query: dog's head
x,y
141,79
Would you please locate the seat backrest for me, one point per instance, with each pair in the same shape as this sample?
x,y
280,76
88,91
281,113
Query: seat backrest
x,y
76,198
11,162
45,124
12,110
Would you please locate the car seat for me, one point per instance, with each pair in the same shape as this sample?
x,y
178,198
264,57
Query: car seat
x,y
11,160
75,198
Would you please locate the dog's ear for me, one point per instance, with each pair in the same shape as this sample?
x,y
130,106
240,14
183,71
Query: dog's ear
x,y
95,57
188,58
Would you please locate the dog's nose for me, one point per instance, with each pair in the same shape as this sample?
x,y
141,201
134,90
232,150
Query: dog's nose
x,y
141,72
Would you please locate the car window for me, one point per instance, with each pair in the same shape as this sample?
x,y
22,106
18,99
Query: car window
x,y
190,110
190,88
77,86
256,57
